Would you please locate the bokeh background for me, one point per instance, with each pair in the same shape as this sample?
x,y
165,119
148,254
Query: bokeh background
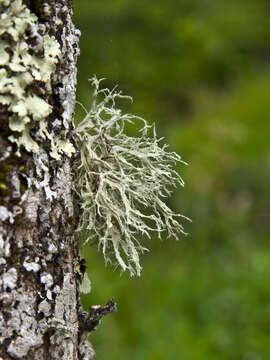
x,y
200,70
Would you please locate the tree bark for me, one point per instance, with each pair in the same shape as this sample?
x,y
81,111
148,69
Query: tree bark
x,y
39,299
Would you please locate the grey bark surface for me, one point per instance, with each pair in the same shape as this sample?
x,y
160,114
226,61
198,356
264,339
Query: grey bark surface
x,y
39,298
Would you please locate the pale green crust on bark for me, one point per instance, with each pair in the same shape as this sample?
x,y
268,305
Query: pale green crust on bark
x,y
28,57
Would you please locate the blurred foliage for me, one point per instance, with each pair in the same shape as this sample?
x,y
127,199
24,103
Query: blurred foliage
x,y
200,70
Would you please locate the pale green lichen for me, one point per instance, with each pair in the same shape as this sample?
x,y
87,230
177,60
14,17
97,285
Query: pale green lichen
x,y
22,65
61,147
4,56
122,182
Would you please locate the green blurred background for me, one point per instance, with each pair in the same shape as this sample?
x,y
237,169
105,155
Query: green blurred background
x,y
200,70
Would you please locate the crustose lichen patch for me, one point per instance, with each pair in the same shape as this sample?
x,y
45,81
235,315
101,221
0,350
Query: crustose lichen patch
x,y
122,182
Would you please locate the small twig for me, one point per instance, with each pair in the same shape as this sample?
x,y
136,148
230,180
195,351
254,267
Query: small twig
x,y
88,321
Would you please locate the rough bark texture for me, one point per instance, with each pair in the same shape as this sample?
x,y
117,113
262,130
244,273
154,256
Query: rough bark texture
x,y
39,297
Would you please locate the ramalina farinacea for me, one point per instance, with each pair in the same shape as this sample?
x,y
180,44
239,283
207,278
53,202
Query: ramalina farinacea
x,y
122,181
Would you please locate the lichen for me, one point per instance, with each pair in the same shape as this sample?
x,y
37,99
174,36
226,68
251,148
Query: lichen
x,y
122,181
47,280
4,213
31,265
23,65
9,279
22,327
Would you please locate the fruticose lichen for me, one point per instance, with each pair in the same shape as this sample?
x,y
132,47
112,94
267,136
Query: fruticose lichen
x,y
28,58
122,181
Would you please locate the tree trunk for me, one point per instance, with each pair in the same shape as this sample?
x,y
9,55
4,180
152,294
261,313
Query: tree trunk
x,y
39,299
